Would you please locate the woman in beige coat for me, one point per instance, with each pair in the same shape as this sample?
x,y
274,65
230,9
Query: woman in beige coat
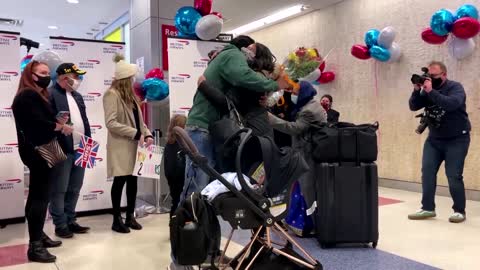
x,y
126,130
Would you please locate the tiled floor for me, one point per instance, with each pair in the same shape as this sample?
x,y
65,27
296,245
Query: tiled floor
x,y
403,244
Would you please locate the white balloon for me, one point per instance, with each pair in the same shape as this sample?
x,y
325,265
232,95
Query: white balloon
x,y
51,58
461,48
209,27
386,37
395,52
313,76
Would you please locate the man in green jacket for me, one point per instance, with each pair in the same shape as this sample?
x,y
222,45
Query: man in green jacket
x,y
228,70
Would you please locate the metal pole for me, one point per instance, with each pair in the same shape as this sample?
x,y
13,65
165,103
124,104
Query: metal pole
x,y
158,208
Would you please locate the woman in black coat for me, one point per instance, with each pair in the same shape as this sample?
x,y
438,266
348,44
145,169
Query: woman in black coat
x,y
36,125
174,162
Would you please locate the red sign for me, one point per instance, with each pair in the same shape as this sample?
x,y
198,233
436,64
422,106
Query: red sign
x,y
167,31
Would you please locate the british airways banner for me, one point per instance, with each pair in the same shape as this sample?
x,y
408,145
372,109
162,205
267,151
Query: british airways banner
x,y
96,58
187,60
12,185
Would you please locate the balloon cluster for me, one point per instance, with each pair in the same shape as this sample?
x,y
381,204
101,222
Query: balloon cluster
x,y
379,45
306,64
464,26
199,21
25,61
153,87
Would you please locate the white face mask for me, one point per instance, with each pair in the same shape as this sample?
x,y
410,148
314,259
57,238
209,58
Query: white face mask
x,y
294,99
74,84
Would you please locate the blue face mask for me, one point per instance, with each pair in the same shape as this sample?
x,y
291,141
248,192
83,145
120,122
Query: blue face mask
x,y
294,99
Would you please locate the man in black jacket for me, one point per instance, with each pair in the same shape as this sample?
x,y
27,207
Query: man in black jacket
x,y
449,142
67,179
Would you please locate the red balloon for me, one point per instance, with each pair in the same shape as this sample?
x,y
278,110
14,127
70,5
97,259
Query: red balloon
x,y
322,66
360,52
466,28
327,77
218,14
431,38
155,73
137,88
203,6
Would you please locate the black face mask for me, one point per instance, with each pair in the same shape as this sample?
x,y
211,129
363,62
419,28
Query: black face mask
x,y
437,83
43,81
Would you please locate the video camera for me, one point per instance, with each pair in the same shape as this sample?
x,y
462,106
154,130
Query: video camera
x,y
430,117
29,43
420,79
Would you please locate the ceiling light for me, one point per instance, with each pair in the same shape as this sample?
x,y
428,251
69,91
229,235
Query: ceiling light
x,y
53,27
283,14
73,1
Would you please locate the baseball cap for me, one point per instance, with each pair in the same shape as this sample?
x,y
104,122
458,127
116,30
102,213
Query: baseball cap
x,y
67,68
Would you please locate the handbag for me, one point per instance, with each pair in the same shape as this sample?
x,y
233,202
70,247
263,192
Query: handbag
x,y
344,142
228,125
52,153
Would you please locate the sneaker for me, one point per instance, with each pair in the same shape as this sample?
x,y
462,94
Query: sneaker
x,y
457,218
422,214
63,232
76,228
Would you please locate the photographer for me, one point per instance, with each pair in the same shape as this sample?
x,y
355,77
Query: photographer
x,y
449,141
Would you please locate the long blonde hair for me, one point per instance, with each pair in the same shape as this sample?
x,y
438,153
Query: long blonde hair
x,y
124,88
177,121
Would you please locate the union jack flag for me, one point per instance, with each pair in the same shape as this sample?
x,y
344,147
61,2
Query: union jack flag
x,y
86,153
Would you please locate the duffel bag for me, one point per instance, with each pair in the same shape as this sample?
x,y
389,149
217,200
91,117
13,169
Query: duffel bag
x,y
344,142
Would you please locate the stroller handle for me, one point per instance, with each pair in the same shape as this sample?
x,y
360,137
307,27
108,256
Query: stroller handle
x,y
185,142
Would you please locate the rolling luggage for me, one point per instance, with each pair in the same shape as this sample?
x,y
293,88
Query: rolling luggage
x,y
347,204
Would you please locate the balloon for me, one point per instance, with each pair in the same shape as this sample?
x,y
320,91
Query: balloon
x,y
322,66
386,37
203,6
155,89
466,27
461,48
379,53
467,11
51,58
218,14
395,52
442,22
429,37
25,61
137,88
209,27
360,52
186,19
155,73
313,76
326,77
371,37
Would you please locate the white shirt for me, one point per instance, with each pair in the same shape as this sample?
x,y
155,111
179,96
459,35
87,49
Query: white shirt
x,y
76,119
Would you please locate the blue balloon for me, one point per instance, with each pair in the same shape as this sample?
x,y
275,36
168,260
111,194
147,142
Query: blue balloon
x,y
379,53
371,37
467,11
24,63
442,22
155,89
186,19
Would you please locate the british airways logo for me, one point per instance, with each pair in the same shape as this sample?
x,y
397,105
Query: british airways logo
x,y
178,44
95,128
8,148
8,75
89,64
63,45
91,96
6,39
9,184
107,82
202,63
112,49
6,113
93,195
180,78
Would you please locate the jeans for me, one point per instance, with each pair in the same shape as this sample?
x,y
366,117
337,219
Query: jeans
x,y
453,152
67,181
196,179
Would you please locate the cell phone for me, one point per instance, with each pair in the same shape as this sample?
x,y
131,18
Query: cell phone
x,y
63,114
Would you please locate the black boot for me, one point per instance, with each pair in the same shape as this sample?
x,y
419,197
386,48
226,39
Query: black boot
x,y
49,243
132,223
37,253
119,226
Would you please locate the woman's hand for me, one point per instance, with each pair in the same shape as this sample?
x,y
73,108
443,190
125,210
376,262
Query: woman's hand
x,y
58,127
67,130
62,120
148,141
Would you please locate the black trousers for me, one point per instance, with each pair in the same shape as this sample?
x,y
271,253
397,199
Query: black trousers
x,y
38,198
176,187
117,189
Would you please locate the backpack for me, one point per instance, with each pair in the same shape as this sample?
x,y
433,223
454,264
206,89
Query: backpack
x,y
194,232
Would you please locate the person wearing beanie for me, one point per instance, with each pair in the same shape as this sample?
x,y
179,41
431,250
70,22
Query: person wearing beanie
x,y
332,115
307,112
126,130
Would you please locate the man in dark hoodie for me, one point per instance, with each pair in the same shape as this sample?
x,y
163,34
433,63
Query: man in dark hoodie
x,y
449,142
228,69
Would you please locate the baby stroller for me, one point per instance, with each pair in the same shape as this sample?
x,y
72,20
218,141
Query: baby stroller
x,y
270,247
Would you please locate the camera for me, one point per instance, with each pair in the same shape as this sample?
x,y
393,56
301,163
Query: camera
x,y
431,117
420,79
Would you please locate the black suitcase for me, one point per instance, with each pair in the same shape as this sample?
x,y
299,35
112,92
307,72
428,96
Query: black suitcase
x,y
347,204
